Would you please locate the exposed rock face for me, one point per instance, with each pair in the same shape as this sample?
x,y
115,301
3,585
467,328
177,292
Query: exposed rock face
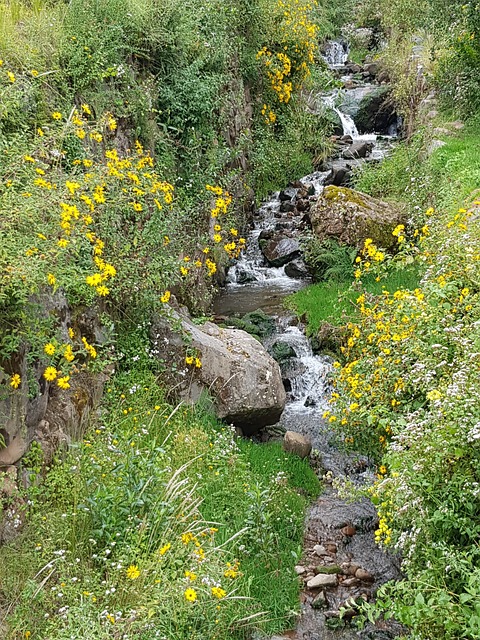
x,y
280,249
371,108
242,378
49,416
351,217
375,111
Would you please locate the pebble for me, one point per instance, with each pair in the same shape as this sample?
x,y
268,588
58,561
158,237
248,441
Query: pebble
x,y
299,570
349,531
320,550
350,582
322,580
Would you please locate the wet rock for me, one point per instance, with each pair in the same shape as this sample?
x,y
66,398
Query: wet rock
x,y
350,582
360,149
280,249
339,177
287,207
351,217
296,269
376,111
297,444
303,205
320,601
282,351
287,194
243,379
322,580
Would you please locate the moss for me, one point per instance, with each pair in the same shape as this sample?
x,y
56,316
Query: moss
x,y
342,194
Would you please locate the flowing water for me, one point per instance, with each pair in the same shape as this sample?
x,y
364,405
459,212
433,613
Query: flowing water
x,y
252,284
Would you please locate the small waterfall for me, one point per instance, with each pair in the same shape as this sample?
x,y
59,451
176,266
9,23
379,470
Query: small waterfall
x,y
349,127
307,375
336,53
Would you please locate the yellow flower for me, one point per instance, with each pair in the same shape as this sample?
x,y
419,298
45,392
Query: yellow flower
x,y
191,576
63,382
50,373
49,349
217,237
166,297
164,549
51,279
198,363
56,115
190,595
189,359
184,271
133,572
11,76
71,333
62,243
80,133
102,291
34,73
15,381
219,593
69,355
86,109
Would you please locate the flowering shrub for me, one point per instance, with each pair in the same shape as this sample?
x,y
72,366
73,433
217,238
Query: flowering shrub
x,y
407,394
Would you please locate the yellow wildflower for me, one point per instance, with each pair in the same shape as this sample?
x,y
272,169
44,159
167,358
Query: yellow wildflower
x,y
50,373
49,349
133,572
15,381
190,595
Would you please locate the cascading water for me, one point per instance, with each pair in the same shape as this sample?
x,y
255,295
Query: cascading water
x,y
336,53
253,283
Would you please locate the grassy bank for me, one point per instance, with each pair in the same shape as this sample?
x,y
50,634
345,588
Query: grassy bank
x,y
407,391
160,523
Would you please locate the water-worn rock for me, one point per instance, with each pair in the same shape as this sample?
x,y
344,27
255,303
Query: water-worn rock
x,y
351,217
282,351
339,177
322,580
280,249
243,379
297,444
296,269
360,149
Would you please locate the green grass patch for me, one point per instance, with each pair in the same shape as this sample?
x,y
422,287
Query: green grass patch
x,y
160,510
334,302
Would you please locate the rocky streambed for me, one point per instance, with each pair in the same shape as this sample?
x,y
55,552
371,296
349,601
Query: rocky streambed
x,y
341,565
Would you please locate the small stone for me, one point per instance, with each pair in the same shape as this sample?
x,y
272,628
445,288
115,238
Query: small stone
x,y
297,444
299,570
349,531
331,547
350,582
330,570
363,574
322,580
351,569
320,550
320,601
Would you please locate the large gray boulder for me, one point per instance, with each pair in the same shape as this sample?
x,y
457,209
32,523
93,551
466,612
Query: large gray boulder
x,y
350,217
243,380
280,249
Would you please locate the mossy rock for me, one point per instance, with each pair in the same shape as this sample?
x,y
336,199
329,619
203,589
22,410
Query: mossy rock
x,y
350,217
282,351
256,323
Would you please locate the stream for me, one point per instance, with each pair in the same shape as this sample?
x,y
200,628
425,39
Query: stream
x,y
339,535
